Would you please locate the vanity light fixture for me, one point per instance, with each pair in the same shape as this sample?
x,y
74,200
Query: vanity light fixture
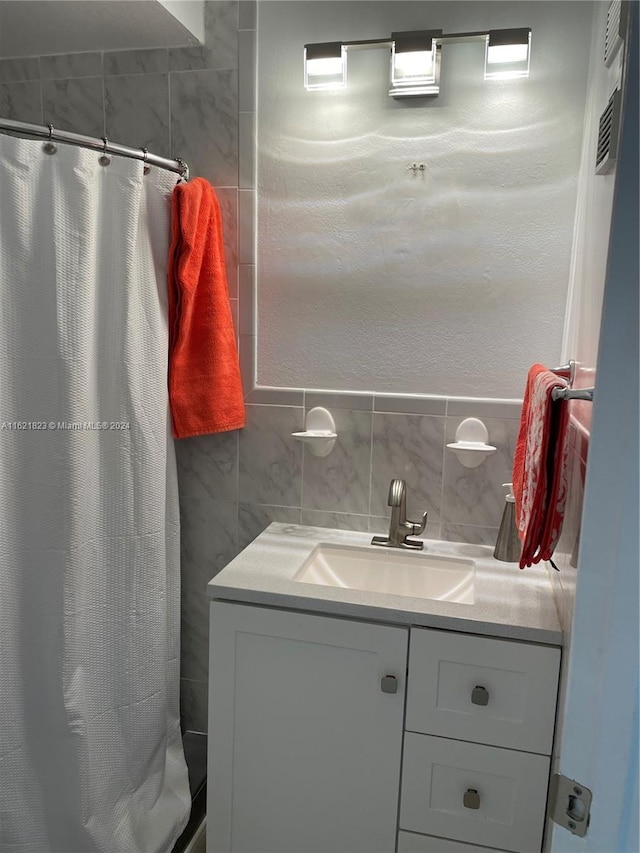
x,y
415,59
507,54
325,66
415,64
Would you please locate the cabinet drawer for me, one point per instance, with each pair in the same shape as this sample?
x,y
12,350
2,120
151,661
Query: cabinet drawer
x,y
510,793
409,842
498,692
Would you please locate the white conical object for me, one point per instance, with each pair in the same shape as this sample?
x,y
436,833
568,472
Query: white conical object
x,y
319,432
471,444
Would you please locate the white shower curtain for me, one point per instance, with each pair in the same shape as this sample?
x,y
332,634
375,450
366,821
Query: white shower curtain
x,y
90,750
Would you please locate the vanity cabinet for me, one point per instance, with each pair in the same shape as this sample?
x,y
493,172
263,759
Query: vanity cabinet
x,y
306,736
480,722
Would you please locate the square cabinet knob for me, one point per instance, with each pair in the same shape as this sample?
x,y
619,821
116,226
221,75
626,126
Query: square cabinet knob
x,y
480,695
389,684
471,799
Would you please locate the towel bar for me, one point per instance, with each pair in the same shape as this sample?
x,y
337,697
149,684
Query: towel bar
x,y
568,372
571,394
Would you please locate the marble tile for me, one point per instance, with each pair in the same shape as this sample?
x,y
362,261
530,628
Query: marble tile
x,y
470,407
340,482
475,496
581,438
234,316
253,518
337,400
573,513
247,350
137,111
248,15
469,533
193,58
567,551
208,466
410,405
247,206
408,447
23,68
270,459
221,33
228,198
276,396
335,520
247,291
194,701
204,123
75,104
152,61
65,65
209,538
247,60
21,101
380,526
247,151
194,634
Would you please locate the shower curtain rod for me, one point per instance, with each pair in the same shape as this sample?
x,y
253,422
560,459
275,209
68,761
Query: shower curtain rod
x,y
51,134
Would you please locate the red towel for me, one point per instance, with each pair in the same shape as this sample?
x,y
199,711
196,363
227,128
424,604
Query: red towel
x,y
205,389
539,466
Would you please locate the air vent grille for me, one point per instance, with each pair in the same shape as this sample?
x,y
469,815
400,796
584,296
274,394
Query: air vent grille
x,y
608,130
613,38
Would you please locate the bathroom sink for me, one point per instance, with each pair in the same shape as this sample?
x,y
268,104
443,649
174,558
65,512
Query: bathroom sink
x,y
387,570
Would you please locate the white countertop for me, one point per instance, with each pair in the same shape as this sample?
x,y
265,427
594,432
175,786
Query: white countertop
x,y
508,602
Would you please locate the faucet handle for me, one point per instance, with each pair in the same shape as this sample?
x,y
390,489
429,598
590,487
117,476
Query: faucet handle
x,y
416,529
418,526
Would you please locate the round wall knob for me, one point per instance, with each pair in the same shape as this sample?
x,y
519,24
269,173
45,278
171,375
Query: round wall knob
x,y
480,695
471,799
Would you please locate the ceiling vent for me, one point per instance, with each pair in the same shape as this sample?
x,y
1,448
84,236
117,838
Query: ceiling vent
x,y
608,132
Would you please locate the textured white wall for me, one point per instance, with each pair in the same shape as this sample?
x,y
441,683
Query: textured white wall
x,y
449,282
593,223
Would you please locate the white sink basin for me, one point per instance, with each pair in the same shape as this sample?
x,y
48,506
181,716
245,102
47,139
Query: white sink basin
x,y
387,570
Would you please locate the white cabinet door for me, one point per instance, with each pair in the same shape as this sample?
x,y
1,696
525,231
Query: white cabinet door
x,y
304,745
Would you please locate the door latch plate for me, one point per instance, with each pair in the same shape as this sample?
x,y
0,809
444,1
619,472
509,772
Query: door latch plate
x,y
570,804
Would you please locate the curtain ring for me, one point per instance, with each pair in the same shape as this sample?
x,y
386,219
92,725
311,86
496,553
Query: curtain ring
x,y
49,147
184,173
104,158
147,167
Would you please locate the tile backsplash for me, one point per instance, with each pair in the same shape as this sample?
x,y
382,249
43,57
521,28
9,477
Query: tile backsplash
x,y
271,477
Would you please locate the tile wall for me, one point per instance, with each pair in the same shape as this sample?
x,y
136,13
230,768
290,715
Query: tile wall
x,y
177,102
199,104
566,554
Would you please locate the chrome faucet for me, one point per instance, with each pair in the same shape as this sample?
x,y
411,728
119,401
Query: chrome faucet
x,y
400,529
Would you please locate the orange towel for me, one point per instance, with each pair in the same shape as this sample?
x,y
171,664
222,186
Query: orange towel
x,y
205,389
539,466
